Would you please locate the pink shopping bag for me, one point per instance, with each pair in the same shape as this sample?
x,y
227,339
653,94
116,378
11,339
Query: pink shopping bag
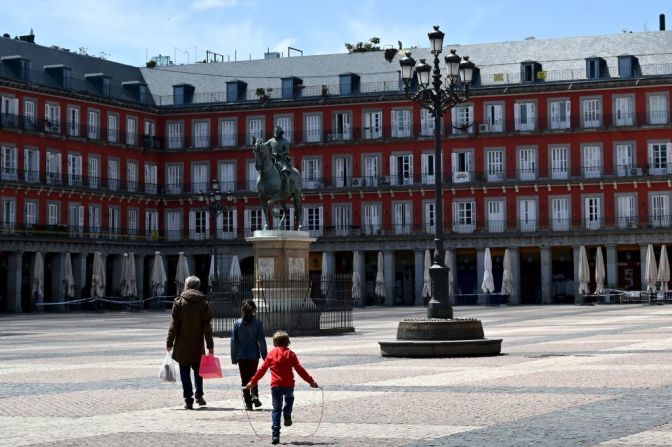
x,y
210,368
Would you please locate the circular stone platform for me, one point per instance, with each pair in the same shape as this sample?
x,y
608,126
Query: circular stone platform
x,y
440,338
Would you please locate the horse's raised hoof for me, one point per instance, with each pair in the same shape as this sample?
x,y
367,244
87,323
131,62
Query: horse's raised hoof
x,y
265,226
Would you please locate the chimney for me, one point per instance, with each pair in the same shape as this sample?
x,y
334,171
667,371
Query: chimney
x,y
661,20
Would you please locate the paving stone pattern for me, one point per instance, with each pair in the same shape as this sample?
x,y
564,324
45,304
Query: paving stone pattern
x,y
569,376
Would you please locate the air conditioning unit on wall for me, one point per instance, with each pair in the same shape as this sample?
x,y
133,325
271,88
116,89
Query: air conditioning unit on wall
x,y
636,171
357,182
484,127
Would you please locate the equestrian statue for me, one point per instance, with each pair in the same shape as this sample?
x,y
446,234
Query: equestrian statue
x,y
278,180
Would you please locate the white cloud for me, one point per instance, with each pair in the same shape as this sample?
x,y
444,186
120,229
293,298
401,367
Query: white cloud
x,y
202,5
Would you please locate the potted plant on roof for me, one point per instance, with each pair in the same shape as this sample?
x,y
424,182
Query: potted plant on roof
x,y
263,94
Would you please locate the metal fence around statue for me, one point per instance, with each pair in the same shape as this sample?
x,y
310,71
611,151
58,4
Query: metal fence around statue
x,y
312,305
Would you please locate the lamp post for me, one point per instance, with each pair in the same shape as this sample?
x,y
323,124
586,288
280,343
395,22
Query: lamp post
x,y
214,207
438,99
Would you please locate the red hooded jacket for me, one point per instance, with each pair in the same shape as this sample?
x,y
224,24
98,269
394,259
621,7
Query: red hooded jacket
x,y
281,360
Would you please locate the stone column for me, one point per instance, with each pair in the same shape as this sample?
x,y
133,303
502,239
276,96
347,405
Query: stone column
x,y
642,264
55,293
14,272
515,273
419,277
546,275
612,266
140,276
79,274
576,252
390,289
362,271
480,271
114,283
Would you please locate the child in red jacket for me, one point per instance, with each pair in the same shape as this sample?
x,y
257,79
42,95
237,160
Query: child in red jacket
x,y
281,360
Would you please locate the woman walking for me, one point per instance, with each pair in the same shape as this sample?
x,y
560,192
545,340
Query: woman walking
x,y
247,346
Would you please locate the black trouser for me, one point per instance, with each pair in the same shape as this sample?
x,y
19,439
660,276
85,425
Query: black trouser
x,y
247,368
185,377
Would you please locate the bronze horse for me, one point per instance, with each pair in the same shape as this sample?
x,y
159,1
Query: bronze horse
x,y
269,186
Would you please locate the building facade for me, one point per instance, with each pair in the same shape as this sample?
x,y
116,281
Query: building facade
x,y
562,143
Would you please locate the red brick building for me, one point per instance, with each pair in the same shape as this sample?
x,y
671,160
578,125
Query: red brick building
x,y
563,143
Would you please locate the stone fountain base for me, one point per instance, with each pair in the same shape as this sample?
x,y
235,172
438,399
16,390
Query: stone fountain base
x,y
435,337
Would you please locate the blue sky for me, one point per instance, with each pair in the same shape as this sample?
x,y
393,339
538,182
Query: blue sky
x,y
129,30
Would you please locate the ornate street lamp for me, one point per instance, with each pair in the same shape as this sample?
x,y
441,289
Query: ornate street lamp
x,y
214,207
438,97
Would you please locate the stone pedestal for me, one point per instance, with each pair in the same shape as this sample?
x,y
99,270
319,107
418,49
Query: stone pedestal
x,y
282,285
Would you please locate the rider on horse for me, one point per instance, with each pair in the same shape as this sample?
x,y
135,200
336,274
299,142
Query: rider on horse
x,y
280,152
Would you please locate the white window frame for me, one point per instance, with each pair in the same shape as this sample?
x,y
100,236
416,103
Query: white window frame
x,y
151,179
9,163
624,107
228,132
560,214
31,165
496,215
660,158
528,214
372,218
174,225
625,159
658,110
402,217
626,211
591,155
464,216
561,114
591,112
313,128
73,121
525,116
174,178
462,119
373,124
494,165
560,165
311,173
401,123
175,135
527,163
494,117
75,177
201,134
112,128
401,169
592,212
131,131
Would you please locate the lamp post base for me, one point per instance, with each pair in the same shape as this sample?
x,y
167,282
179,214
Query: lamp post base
x,y
439,306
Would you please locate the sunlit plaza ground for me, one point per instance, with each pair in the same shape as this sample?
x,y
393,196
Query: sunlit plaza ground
x,y
568,376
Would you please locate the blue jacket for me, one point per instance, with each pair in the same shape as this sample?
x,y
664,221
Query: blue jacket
x,y
247,341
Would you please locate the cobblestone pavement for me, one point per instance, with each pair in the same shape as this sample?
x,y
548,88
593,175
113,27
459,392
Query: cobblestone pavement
x,y
569,376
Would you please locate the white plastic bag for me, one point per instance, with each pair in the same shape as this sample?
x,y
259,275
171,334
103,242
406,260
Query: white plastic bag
x,y
167,371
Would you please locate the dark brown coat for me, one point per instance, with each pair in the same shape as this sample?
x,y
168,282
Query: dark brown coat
x,y
191,324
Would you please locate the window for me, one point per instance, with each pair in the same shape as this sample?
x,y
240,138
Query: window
x,y
151,224
429,217
201,134
253,176
9,164
94,221
255,129
9,111
52,118
53,214
525,116
625,161
73,121
286,123
227,177
461,164
527,214
310,171
342,219
592,213
94,172
173,225
29,114
560,214
401,123
229,134
32,165
402,218
312,220
592,112
626,207
313,129
93,125
401,169
342,175
112,128
114,220
592,161
659,158
132,222
462,119
427,169
8,214
624,111
372,218
76,219
373,125
371,170
227,227
496,220
75,170
494,165
464,217
254,220
200,181
559,163
494,118
660,210
30,217
53,168
113,174
131,131
561,114
658,112
132,176
527,164
342,127
199,225
175,136
150,131
151,180
174,179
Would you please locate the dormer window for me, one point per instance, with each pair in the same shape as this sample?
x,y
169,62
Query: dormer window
x,y
183,94
530,71
236,91
18,65
137,90
596,68
101,82
628,66
61,75
291,87
349,83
